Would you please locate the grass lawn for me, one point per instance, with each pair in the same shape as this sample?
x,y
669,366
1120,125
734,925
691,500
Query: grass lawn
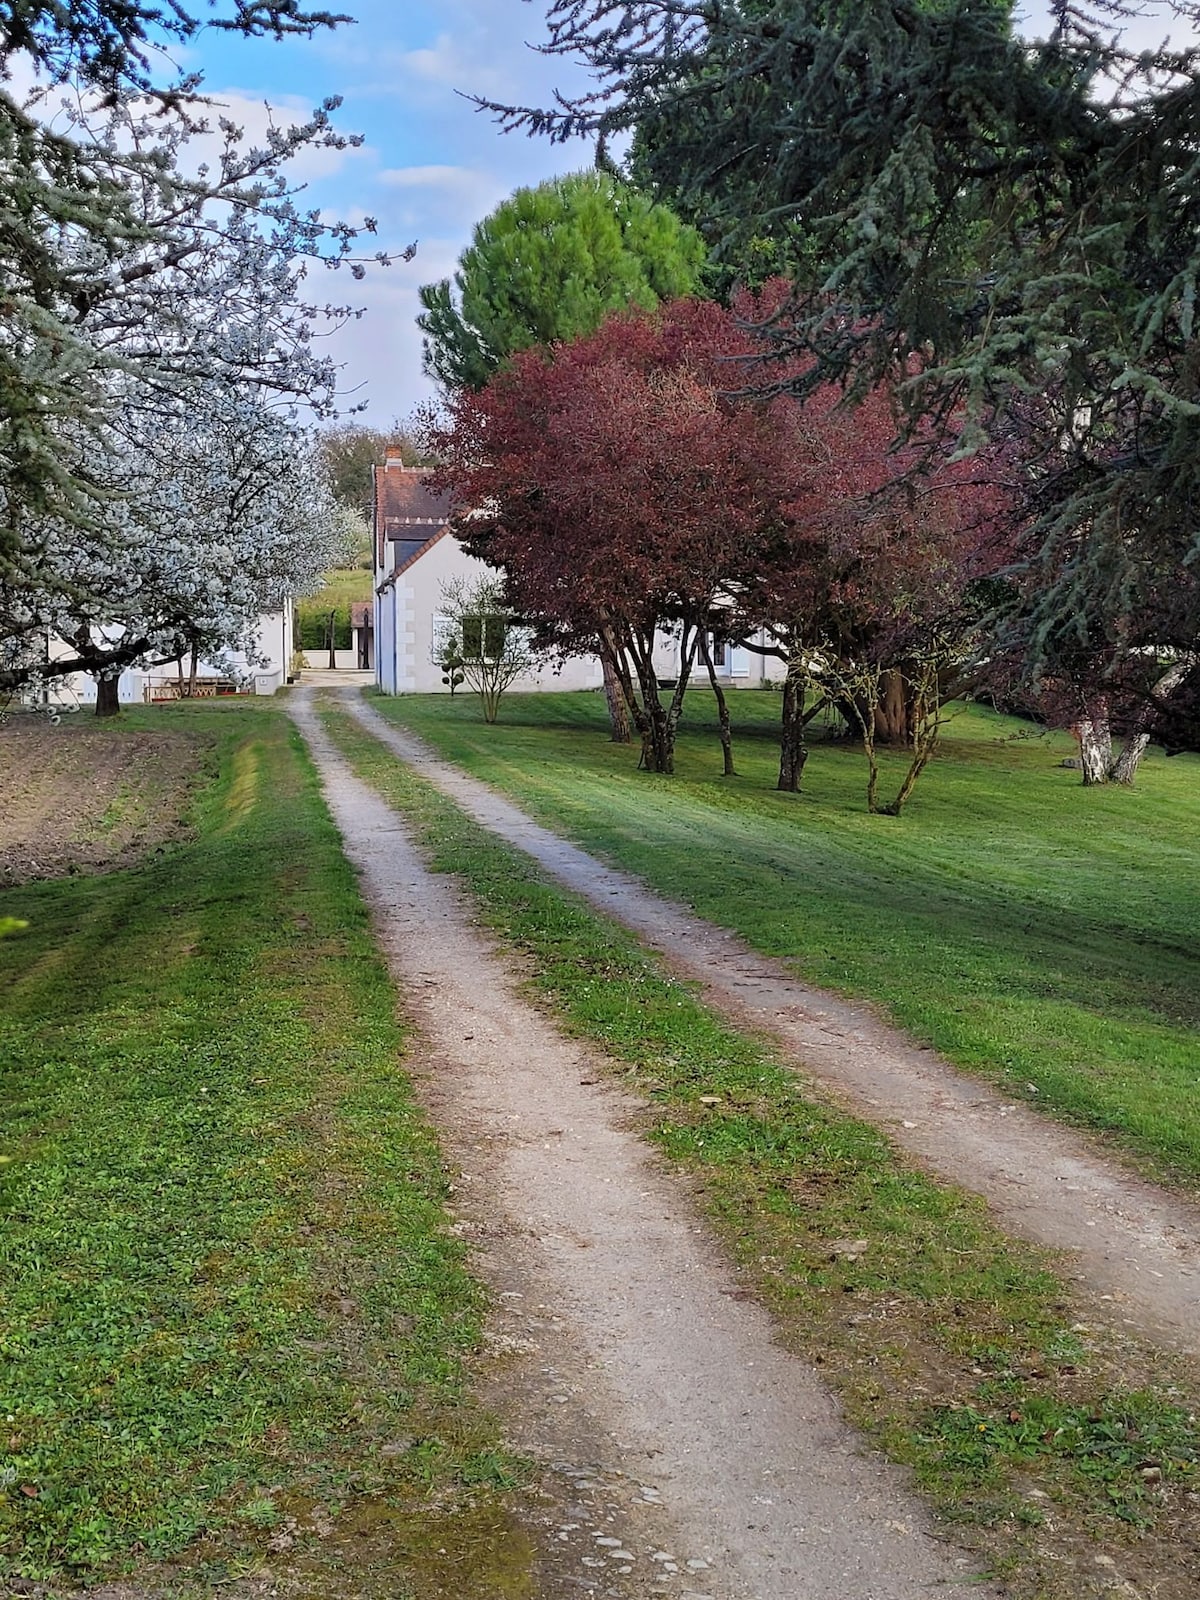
x,y
342,587
956,1348
1042,934
233,1324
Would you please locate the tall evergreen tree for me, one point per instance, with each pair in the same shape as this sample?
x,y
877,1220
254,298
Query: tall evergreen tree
x,y
1012,224
548,265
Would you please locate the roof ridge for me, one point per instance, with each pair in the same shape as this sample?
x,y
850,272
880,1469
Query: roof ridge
x,y
389,581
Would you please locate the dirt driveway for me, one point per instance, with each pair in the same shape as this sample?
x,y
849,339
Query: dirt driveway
x,y
698,1460
634,1364
1136,1246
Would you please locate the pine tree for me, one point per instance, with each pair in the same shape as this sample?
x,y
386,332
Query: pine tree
x,y
549,264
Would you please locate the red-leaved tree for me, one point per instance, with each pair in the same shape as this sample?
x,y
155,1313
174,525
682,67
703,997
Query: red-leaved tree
x,y
873,585
623,485
618,482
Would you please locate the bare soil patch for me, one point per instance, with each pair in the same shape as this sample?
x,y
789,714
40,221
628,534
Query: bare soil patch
x,y
88,797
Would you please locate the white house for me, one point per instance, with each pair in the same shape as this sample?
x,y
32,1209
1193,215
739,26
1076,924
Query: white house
x,y
416,557
261,667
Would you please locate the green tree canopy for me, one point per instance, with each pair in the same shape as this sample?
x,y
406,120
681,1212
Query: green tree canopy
x,y
352,450
1012,225
548,265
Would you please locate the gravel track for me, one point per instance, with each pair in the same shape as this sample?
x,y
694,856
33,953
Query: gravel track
x,y
1133,1245
698,1460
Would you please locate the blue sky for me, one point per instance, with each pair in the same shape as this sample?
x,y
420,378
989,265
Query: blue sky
x,y
431,166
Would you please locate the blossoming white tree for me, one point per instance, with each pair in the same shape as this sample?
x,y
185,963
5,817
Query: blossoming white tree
x,y
96,208
208,518
183,497
156,346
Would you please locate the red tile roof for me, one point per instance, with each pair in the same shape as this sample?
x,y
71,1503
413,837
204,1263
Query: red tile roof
x,y
405,508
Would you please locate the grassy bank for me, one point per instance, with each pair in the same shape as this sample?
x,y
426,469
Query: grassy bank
x,y
959,1351
1044,935
232,1322
343,587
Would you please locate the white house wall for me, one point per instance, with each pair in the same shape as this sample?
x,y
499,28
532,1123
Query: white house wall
x,y
385,640
263,666
405,627
741,669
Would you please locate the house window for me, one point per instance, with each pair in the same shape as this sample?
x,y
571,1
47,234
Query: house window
x,y
445,635
720,653
483,636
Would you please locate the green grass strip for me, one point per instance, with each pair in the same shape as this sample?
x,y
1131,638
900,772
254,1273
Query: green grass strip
x,y
955,1347
1043,935
230,1308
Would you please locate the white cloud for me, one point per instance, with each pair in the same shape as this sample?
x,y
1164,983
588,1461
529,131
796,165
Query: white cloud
x,y
380,352
431,177
441,197
448,65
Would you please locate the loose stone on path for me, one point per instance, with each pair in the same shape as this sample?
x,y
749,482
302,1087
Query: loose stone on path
x,y
703,1440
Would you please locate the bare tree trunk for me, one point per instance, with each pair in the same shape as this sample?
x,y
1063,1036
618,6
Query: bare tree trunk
x,y
793,748
926,733
108,701
1124,768
898,707
854,687
872,763
722,708
658,746
618,711
657,752
658,724
895,718
192,674
333,641
861,691
688,641
1094,737
620,654
650,717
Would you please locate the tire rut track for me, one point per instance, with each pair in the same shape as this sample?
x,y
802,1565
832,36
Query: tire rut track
x,y
696,1459
1133,1244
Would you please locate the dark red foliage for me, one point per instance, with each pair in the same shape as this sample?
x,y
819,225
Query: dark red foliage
x,y
886,535
622,482
615,477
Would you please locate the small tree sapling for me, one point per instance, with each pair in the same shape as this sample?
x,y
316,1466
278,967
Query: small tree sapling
x,y
489,643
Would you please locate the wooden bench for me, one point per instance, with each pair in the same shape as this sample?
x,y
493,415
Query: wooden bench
x,y
202,689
